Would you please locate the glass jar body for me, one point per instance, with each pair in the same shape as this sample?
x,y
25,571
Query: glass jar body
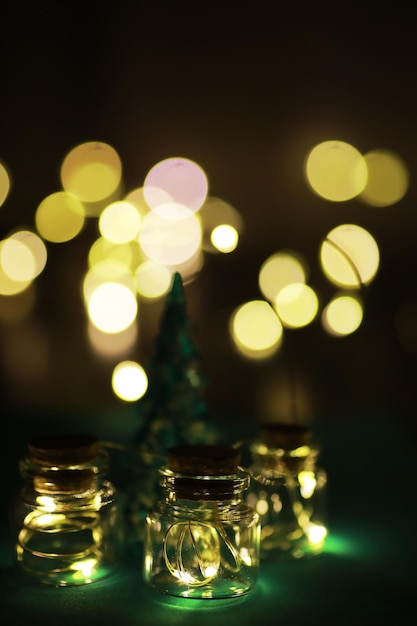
x,y
289,493
67,531
202,548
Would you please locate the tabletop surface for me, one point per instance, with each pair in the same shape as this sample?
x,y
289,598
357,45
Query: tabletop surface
x,y
365,575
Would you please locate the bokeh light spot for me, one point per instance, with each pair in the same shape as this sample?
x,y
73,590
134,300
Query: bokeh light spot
x,y
342,315
388,179
8,285
169,241
17,260
173,210
153,280
92,171
5,183
225,238
182,180
349,256
112,307
137,198
281,269
336,171
108,271
23,255
216,212
119,222
60,217
255,326
129,381
297,305
128,254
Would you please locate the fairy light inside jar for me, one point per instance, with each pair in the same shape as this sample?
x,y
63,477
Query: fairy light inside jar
x,y
66,516
288,490
202,540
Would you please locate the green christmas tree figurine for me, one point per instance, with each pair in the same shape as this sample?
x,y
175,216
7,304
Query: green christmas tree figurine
x,y
173,410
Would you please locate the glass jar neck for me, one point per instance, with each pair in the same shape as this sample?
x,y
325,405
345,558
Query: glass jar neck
x,y
207,488
65,479
282,460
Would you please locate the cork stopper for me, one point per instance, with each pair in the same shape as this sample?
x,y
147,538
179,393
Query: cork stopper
x,y
59,464
285,436
208,460
62,450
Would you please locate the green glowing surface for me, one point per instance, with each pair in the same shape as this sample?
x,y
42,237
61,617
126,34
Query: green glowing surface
x,y
365,574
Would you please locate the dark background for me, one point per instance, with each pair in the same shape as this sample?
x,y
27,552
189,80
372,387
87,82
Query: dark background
x,y
245,89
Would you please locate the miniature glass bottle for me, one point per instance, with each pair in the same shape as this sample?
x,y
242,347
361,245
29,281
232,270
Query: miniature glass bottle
x,y
288,490
202,539
66,518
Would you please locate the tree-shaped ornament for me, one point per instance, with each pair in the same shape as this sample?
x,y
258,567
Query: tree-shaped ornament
x,y
173,410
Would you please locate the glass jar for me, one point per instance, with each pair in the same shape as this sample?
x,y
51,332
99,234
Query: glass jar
x,y
202,539
288,490
66,521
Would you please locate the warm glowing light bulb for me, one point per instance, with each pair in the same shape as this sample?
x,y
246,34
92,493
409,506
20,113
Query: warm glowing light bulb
x,y
182,539
308,482
214,213
225,238
129,381
112,307
46,502
316,534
